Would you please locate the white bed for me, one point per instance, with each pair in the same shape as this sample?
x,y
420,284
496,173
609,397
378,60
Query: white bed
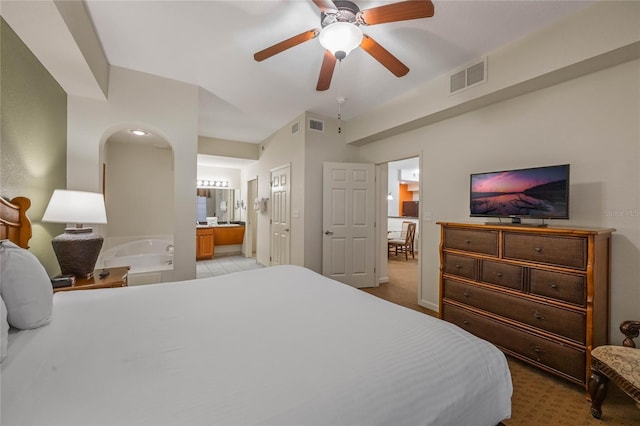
x,y
275,346
279,346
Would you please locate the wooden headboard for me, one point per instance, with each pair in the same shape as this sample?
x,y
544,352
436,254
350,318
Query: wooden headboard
x,y
14,223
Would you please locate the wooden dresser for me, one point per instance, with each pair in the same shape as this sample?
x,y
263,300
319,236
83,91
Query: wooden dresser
x,y
539,294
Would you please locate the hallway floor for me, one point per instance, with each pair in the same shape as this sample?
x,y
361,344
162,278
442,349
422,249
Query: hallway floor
x,y
402,287
225,264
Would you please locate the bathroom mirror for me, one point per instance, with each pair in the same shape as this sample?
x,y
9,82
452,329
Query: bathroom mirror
x,y
211,202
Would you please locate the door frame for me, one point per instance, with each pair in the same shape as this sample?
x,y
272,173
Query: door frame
x,y
381,274
382,189
251,219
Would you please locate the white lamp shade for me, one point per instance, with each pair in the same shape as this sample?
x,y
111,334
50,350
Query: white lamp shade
x,y
340,37
75,207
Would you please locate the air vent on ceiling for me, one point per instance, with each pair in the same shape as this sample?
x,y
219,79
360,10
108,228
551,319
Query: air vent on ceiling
x,y
469,76
295,127
316,125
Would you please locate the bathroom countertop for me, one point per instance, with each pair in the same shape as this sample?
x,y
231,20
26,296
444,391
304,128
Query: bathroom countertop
x,y
221,225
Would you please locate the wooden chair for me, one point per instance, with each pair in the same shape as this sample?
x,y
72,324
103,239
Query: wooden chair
x,y
619,364
404,245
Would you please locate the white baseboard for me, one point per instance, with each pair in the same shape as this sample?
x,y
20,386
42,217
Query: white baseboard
x,y
431,306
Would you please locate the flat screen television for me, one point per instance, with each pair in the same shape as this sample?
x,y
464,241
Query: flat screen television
x,y
537,192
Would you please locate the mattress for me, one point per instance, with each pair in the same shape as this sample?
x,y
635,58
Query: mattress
x,y
275,346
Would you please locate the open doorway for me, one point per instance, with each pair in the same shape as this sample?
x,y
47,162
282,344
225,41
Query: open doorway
x,y
402,254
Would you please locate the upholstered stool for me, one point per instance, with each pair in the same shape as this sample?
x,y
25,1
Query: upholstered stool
x,y
620,364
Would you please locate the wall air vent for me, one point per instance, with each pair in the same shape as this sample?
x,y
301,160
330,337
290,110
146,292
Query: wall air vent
x,y
316,125
469,76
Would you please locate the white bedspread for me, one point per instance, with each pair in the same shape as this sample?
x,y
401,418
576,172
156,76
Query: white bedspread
x,y
279,346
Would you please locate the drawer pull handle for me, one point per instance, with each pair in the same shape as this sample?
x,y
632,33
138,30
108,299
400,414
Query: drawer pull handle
x,y
467,241
465,294
499,274
553,285
458,266
465,321
538,316
538,249
538,353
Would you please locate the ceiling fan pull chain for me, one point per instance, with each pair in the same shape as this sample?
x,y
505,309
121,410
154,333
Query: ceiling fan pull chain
x,y
340,99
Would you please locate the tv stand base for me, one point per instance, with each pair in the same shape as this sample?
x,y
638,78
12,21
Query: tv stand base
x,y
526,225
516,221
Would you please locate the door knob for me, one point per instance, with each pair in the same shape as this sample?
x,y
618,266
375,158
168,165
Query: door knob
x,y
286,229
327,232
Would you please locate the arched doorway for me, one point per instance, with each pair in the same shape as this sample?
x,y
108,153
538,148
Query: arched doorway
x,y
138,184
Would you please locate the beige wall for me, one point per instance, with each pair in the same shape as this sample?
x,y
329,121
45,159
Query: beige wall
x,y
227,148
139,190
592,122
319,148
306,151
601,35
167,108
33,142
77,19
280,149
567,94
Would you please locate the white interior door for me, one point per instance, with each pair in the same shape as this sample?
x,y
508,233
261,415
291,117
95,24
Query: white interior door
x,y
348,223
280,215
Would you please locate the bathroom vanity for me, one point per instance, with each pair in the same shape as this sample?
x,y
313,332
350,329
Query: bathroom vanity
x,y
225,235
210,237
205,245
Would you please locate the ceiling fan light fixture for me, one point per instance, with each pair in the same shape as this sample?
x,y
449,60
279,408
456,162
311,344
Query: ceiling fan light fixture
x,y
340,38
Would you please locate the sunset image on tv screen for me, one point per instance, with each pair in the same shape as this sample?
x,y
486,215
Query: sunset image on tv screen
x,y
537,192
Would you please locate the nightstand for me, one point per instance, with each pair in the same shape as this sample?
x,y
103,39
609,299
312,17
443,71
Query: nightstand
x,y
117,278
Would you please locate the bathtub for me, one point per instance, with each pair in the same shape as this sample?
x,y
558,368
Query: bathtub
x,y
146,258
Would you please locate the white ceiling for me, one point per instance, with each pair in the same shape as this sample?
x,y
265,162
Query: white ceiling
x,y
211,44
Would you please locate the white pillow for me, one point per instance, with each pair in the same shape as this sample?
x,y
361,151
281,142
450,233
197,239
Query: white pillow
x,y
25,287
5,330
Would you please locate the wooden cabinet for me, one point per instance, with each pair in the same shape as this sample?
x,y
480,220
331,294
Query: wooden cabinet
x,y
228,235
410,208
204,243
539,294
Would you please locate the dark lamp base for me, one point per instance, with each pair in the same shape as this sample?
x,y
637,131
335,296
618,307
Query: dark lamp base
x,y
77,251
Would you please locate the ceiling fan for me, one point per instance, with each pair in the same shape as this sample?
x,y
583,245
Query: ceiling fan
x,y
340,22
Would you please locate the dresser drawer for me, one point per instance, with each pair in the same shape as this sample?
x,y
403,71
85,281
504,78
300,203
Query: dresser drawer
x,y
485,242
556,285
564,359
502,274
461,266
552,250
552,319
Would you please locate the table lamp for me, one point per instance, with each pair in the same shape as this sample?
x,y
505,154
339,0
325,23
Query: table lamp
x,y
78,248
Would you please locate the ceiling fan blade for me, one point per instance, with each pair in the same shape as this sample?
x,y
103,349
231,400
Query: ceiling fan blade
x,y
326,6
326,71
383,56
401,11
286,44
